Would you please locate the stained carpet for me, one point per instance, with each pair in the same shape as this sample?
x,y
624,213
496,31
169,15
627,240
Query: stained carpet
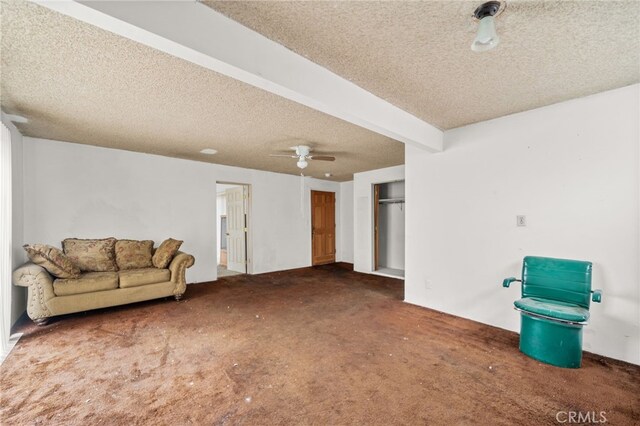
x,y
318,345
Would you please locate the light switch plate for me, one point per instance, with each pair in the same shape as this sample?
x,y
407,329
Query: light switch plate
x,y
521,220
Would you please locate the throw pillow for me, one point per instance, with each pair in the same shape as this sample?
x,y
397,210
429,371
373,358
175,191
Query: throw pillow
x,y
164,254
132,254
92,255
53,260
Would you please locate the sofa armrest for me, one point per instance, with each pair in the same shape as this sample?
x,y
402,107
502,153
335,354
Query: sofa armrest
x,y
40,284
507,281
178,267
596,296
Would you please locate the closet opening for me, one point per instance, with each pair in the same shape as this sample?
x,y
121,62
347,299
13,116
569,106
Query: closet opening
x,y
388,232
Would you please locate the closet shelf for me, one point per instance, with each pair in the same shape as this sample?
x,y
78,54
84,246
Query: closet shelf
x,y
391,200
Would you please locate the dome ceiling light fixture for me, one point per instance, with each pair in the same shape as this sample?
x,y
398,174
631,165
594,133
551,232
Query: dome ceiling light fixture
x,y
487,37
209,151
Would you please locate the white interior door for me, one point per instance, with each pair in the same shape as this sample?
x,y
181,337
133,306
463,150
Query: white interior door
x,y
236,230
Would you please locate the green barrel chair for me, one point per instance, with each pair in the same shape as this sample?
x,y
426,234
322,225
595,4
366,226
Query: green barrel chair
x,y
554,307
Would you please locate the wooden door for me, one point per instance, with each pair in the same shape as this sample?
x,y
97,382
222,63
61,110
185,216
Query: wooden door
x,y
323,227
236,230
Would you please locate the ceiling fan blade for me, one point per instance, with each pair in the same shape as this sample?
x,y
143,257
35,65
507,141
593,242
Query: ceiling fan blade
x,y
283,155
323,158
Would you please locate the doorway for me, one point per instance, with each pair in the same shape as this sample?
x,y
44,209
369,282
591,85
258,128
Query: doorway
x,y
388,229
323,227
232,225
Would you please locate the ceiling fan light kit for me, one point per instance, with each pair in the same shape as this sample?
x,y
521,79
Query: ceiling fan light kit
x,y
303,153
301,150
487,37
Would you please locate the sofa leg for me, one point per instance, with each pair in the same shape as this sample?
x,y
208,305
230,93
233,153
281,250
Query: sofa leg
x,y
178,297
41,321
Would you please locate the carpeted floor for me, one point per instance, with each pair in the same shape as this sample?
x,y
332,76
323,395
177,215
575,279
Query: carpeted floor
x,y
318,345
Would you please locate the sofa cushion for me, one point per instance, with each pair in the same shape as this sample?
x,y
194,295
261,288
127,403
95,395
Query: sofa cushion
x,y
552,308
163,255
53,260
143,276
88,282
92,255
131,254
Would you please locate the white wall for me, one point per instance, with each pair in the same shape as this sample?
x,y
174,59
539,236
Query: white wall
x,y
346,221
18,255
573,170
74,190
363,213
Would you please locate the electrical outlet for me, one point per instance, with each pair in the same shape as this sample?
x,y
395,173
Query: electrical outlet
x,y
521,220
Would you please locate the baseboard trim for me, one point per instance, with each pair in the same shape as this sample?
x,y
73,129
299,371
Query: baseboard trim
x,y
13,340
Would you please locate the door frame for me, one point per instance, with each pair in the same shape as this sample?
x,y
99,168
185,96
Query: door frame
x,y
335,223
248,243
376,226
220,262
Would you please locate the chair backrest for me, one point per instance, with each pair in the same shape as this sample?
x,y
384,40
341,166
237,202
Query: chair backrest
x,y
557,279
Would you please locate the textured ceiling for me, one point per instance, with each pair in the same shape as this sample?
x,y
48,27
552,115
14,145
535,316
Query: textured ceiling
x,y
417,55
81,84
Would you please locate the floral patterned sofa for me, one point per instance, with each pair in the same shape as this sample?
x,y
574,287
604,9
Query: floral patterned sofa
x,y
93,274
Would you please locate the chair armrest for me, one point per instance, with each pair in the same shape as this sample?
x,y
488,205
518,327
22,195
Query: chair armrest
x,y
507,281
178,267
40,284
596,296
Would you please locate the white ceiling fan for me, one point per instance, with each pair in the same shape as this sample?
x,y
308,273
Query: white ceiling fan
x,y
303,153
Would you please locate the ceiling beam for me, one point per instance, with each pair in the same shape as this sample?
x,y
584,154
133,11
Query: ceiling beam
x,y
196,33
